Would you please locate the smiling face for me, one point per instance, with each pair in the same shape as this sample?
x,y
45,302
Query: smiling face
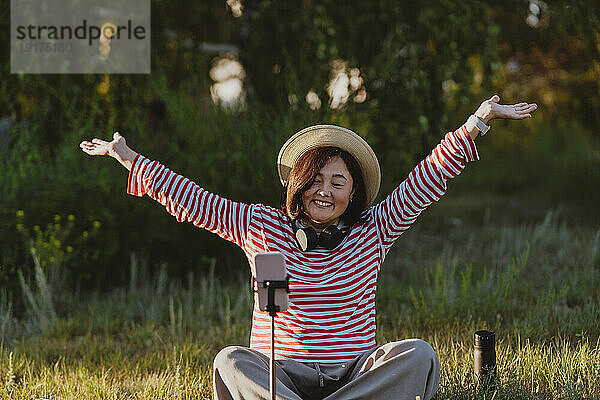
x,y
329,194
320,185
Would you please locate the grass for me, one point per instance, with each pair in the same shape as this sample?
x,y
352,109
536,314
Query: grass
x,y
534,282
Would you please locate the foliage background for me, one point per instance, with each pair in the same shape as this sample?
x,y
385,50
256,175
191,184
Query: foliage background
x,y
424,69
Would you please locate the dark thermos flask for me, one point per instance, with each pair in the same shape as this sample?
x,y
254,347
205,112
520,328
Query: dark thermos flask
x,y
484,360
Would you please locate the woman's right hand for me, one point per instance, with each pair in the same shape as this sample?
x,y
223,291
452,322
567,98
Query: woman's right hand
x,y
99,147
117,149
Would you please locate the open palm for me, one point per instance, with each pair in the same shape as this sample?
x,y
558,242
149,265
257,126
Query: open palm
x,y
99,147
490,109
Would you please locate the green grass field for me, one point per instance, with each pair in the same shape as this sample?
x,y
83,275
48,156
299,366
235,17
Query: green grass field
x,y
534,281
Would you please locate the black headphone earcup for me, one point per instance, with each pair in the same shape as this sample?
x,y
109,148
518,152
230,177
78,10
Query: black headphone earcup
x,y
307,238
331,237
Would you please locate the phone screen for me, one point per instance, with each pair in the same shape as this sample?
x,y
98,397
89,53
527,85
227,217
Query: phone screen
x,y
270,267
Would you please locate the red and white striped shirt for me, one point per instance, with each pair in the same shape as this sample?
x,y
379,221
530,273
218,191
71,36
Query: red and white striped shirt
x,y
331,314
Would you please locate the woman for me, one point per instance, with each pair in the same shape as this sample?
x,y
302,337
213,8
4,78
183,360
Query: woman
x,y
333,245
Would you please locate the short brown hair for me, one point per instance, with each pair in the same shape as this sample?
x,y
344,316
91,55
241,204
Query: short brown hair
x,y
303,174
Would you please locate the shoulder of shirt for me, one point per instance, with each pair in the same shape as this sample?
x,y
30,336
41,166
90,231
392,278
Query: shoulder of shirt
x,y
268,211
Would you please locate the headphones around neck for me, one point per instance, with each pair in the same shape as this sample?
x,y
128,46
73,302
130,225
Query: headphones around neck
x,y
309,239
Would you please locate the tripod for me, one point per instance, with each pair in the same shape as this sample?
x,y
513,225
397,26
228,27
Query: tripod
x,y
272,309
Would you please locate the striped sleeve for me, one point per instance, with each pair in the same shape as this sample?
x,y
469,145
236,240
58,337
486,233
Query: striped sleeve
x,y
424,185
187,201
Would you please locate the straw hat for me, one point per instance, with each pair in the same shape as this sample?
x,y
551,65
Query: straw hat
x,y
331,135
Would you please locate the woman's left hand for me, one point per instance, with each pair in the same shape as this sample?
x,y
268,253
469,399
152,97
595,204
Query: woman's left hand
x,y
490,109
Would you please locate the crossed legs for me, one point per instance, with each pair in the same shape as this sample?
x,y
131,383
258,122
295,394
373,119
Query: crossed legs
x,y
395,370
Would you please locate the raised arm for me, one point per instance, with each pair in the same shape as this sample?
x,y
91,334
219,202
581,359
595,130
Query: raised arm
x,y
182,198
426,183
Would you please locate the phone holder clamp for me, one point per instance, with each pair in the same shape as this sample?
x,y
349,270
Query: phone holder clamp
x,y
272,308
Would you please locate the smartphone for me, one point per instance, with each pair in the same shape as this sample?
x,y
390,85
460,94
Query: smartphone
x,y
271,267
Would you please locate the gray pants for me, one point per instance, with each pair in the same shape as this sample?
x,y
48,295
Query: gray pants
x,y
396,370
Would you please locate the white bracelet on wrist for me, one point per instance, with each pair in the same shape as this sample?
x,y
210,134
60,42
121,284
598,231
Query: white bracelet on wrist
x,y
475,122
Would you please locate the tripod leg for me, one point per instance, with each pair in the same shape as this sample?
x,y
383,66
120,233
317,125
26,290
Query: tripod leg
x,y
272,361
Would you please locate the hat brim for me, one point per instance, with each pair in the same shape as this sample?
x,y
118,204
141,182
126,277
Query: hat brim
x,y
331,135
